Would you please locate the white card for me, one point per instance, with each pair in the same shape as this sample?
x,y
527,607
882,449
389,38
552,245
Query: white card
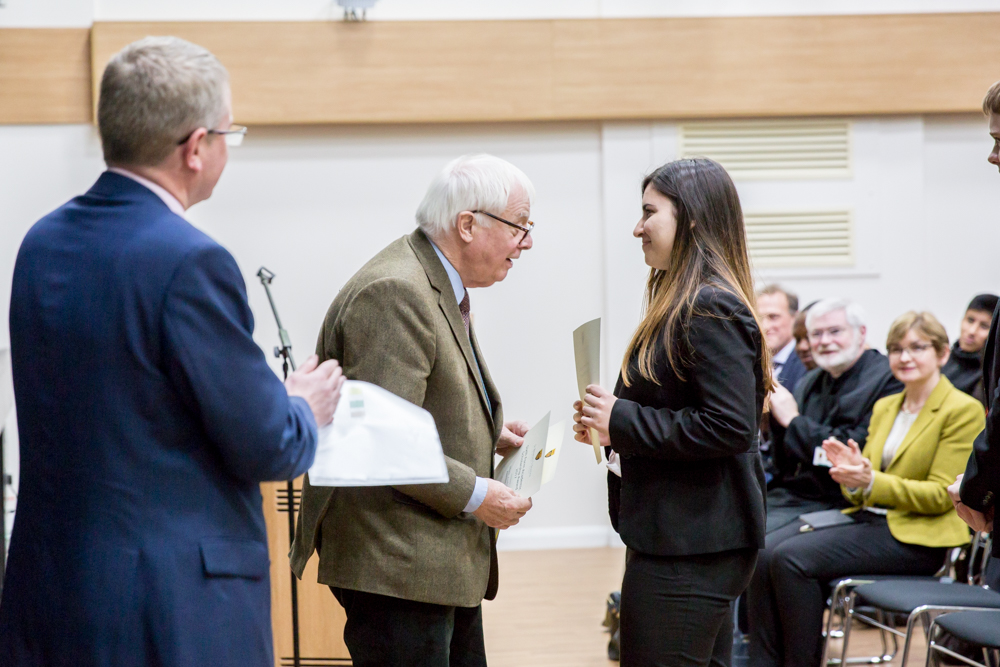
x,y
820,458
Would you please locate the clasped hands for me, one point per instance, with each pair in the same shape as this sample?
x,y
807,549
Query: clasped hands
x,y
850,468
976,520
502,507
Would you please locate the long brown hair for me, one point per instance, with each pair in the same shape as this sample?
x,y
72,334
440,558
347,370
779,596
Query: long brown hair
x,y
711,251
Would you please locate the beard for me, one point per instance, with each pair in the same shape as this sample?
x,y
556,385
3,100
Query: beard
x,y
839,362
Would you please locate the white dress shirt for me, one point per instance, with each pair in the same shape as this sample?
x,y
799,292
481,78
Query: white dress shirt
x,y
171,201
781,356
482,484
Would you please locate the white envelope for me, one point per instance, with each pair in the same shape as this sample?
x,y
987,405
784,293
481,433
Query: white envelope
x,y
378,439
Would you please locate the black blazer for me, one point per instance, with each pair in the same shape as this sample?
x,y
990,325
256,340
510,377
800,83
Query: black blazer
x,y
692,480
981,484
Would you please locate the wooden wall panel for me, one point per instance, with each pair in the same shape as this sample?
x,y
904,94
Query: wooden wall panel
x,y
481,71
44,75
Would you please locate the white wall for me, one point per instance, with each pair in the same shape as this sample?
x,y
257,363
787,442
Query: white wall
x,y
314,204
76,13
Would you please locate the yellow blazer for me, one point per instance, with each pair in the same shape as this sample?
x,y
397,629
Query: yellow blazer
x,y
913,488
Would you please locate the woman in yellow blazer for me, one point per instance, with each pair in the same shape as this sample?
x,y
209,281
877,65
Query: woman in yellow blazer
x,y
904,521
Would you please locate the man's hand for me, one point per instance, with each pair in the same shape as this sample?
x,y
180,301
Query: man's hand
x,y
319,384
783,406
975,519
502,508
511,438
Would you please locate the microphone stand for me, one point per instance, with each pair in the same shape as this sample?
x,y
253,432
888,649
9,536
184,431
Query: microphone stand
x,y
284,351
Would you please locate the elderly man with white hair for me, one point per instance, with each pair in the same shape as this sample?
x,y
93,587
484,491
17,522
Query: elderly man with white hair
x,y
834,400
411,564
147,415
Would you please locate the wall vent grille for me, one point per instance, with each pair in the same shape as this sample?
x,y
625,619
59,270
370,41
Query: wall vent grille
x,y
800,239
772,149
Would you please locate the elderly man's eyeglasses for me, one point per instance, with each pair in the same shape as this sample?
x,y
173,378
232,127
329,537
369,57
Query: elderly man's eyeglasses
x,y
524,228
234,135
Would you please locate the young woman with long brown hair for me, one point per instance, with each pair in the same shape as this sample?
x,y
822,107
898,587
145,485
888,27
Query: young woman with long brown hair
x,y
683,420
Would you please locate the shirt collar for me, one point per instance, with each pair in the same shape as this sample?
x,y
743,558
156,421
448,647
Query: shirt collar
x,y
456,280
781,356
171,201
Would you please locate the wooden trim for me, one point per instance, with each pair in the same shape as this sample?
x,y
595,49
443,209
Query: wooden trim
x,y
44,75
482,71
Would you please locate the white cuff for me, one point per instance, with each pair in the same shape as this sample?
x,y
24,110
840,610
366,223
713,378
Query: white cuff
x,y
614,463
478,494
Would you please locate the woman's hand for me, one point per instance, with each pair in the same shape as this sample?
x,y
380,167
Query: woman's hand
x,y
594,413
839,453
853,476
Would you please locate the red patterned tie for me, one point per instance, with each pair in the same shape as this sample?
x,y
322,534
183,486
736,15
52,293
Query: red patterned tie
x,y
463,308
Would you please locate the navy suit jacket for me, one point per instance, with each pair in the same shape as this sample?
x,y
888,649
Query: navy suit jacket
x,y
147,418
791,372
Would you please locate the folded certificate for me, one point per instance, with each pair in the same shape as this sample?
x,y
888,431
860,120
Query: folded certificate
x,y
377,439
587,350
534,463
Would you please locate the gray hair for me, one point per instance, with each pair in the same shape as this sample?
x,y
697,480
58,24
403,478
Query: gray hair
x,y
855,314
469,183
154,92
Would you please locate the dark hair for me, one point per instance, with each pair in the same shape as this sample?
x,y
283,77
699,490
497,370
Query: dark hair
x,y
710,248
991,103
984,302
793,299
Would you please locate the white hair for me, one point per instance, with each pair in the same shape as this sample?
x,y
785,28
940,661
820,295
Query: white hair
x,y
854,313
153,93
470,183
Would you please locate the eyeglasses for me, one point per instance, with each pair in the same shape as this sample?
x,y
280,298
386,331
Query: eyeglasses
x,y
234,135
914,350
526,229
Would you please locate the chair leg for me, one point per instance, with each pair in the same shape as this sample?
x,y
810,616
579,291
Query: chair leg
x,y
848,617
910,623
829,635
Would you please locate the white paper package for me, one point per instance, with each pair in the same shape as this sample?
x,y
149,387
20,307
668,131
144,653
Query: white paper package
x,y
377,439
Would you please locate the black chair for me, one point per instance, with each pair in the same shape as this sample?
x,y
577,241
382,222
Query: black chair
x,y
918,598
978,628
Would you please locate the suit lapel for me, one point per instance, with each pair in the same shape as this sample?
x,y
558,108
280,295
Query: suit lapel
x,y
990,357
878,443
924,419
438,278
488,386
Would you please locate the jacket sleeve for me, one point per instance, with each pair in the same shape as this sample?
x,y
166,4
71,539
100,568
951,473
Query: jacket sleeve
x,y
724,350
804,434
221,374
389,340
982,472
930,496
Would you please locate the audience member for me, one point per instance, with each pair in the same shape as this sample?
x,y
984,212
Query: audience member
x,y
965,366
834,402
919,440
801,334
777,309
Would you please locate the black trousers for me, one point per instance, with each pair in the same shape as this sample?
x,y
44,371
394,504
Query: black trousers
x,y
676,611
787,595
383,631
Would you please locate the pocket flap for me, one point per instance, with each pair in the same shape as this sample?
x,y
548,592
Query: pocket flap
x,y
224,557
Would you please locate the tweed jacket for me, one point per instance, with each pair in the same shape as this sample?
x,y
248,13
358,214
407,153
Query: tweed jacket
x,y
913,487
396,324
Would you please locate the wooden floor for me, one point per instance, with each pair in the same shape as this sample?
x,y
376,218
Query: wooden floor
x,y
550,606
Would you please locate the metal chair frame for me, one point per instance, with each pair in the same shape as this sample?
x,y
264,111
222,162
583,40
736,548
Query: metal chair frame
x,y
991,657
924,613
838,607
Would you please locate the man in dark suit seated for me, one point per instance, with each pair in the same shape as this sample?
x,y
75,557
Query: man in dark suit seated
x,y
834,400
777,309
147,415
965,365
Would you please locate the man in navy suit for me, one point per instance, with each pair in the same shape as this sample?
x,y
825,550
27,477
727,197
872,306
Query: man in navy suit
x,y
147,414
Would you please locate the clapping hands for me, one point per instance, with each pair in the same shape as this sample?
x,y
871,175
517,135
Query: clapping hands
x,y
850,468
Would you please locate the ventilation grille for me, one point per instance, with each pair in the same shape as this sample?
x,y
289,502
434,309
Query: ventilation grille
x,y
772,149
281,499
800,239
